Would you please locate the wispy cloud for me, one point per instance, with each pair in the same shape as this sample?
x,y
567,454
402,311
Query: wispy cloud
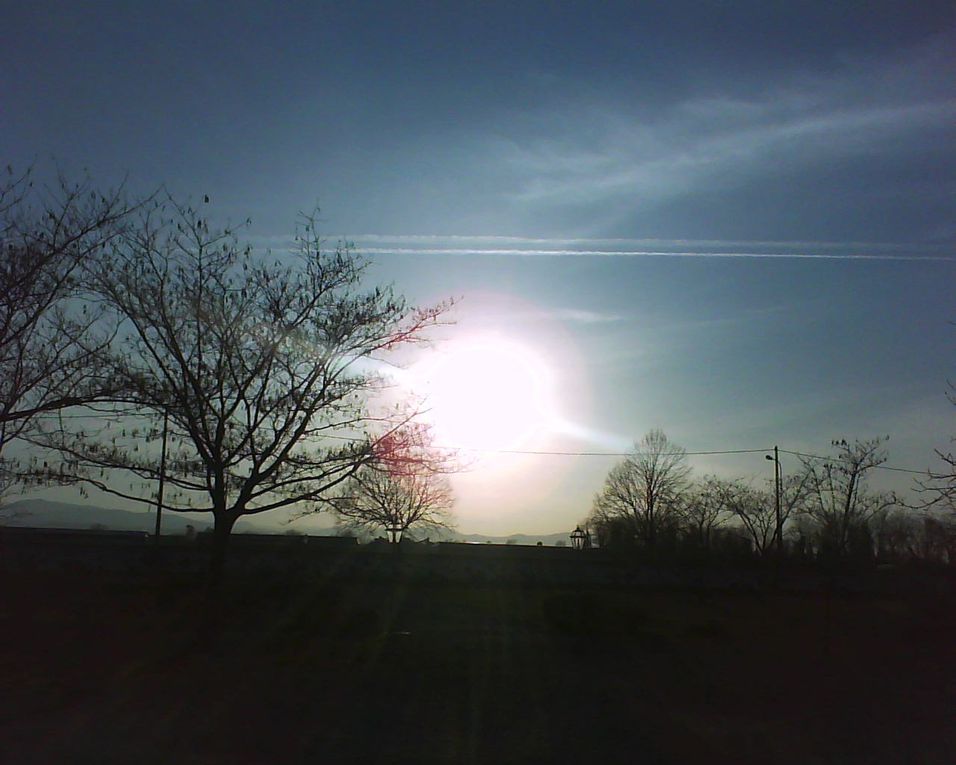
x,y
492,245
599,160
529,252
581,316
463,240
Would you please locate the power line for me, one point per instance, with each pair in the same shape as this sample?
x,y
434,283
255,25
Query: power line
x,y
839,459
551,453
543,452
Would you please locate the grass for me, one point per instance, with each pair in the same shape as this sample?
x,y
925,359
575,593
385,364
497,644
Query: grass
x,y
103,669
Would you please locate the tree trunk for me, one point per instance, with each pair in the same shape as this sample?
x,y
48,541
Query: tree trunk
x,y
214,609
220,541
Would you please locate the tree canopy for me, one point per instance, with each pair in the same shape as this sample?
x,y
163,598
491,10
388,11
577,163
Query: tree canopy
x,y
263,363
47,337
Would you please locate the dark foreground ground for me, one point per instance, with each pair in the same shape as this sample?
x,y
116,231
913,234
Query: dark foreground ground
x,y
106,668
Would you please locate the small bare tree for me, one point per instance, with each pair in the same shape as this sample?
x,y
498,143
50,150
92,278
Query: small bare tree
x,y
404,486
705,508
836,495
754,510
939,486
646,487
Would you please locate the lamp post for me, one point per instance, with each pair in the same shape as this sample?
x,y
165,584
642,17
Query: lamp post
x,y
577,539
394,532
776,499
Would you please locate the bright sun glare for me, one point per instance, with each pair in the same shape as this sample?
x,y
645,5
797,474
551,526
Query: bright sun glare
x,y
488,393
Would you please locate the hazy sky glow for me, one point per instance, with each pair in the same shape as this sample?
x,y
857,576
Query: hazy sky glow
x,y
732,221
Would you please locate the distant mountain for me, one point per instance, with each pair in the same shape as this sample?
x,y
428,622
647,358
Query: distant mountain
x,y
548,540
44,513
61,515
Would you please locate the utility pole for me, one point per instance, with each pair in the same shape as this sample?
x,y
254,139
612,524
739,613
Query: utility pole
x,y
776,486
162,475
776,500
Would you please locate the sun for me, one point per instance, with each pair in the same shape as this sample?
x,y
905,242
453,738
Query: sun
x,y
487,393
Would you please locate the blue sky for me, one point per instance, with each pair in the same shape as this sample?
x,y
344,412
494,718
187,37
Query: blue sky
x,y
465,144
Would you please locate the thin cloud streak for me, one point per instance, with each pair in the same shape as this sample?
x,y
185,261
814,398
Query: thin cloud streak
x,y
471,251
456,245
627,241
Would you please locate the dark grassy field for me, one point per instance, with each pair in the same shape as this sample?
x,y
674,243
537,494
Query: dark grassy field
x,y
103,669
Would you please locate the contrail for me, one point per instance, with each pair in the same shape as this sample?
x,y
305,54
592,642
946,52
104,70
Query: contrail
x,y
645,242
563,253
490,245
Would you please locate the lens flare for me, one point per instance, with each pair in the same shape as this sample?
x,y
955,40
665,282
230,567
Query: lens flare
x,y
487,393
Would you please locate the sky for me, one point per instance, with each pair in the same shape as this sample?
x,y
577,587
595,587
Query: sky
x,y
732,221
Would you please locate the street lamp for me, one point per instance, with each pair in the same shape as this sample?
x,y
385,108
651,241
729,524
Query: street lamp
x,y
577,539
394,533
775,459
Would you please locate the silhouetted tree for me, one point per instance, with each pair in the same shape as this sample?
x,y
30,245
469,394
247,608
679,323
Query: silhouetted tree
x,y
903,534
256,359
46,333
939,492
610,532
705,509
897,534
756,513
404,485
939,539
837,498
939,486
646,487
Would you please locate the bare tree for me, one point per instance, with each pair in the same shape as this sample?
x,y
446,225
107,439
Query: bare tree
x,y
754,509
262,363
938,490
646,487
404,486
939,539
610,531
939,486
898,534
705,508
46,333
836,495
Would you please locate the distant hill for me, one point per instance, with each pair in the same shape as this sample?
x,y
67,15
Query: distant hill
x,y
62,515
452,535
548,540
44,513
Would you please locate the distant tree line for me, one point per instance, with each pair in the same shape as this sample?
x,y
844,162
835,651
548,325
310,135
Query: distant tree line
x,y
651,504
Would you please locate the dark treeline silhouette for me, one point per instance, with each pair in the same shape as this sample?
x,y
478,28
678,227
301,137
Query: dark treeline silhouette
x,y
650,505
